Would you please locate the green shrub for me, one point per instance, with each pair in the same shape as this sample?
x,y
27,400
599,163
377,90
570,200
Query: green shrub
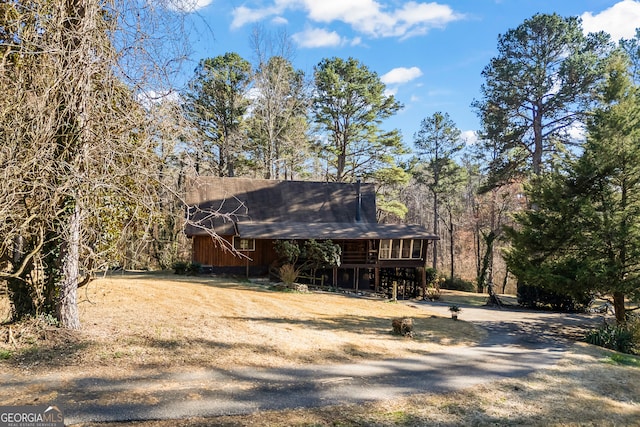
x,y
194,268
458,284
180,267
184,267
615,337
535,297
431,275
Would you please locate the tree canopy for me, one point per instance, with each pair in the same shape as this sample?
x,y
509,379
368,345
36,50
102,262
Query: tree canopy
x,y
349,107
537,90
73,152
216,102
437,142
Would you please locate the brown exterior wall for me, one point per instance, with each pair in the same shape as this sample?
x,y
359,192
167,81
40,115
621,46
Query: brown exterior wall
x,y
360,253
207,252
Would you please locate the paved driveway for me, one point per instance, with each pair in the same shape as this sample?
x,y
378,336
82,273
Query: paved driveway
x,y
518,342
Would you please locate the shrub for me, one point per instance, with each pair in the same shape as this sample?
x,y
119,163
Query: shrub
x,y
184,267
288,274
180,267
535,297
615,337
432,290
431,275
432,293
458,284
194,268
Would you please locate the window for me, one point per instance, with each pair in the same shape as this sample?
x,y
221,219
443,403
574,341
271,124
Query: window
x,y
240,244
400,249
395,248
416,251
385,249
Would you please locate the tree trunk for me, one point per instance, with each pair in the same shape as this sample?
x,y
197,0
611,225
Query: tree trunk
x,y
435,231
67,304
536,159
618,306
451,242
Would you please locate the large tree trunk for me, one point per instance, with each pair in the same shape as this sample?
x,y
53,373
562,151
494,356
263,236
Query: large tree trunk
x,y
618,306
67,304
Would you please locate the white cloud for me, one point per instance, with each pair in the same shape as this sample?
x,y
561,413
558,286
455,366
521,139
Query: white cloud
x,y
620,20
279,20
317,37
365,16
470,137
185,5
243,15
401,75
390,92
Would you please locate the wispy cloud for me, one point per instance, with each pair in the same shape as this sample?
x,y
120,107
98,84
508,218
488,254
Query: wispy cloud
x,y
185,5
620,20
401,75
368,17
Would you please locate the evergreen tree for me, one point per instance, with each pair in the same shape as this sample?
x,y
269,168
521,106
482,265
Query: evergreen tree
x,y
437,142
584,234
217,103
536,90
349,106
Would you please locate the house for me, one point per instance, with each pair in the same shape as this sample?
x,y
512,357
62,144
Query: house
x,y
249,215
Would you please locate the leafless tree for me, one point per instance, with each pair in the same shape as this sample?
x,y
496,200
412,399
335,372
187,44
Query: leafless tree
x,y
279,125
79,158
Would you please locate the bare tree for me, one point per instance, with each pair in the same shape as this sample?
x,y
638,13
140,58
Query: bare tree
x,y
80,174
278,127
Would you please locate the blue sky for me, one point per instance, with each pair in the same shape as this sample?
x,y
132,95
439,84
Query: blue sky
x,y
429,54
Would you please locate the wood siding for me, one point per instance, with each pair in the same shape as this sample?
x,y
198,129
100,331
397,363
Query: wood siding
x,y
355,253
210,253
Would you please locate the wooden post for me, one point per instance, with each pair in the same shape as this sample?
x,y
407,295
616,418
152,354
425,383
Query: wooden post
x,y
357,278
394,292
376,279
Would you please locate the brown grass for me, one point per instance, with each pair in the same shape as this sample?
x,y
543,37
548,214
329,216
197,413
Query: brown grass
x,y
143,323
134,322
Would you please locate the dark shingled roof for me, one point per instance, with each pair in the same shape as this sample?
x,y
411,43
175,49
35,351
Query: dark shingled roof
x,y
271,209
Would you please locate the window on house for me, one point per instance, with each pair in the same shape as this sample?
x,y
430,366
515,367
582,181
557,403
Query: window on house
x,y
395,248
385,249
400,249
416,249
240,244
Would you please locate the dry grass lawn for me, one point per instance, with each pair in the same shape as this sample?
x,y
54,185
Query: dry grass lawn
x,y
152,322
